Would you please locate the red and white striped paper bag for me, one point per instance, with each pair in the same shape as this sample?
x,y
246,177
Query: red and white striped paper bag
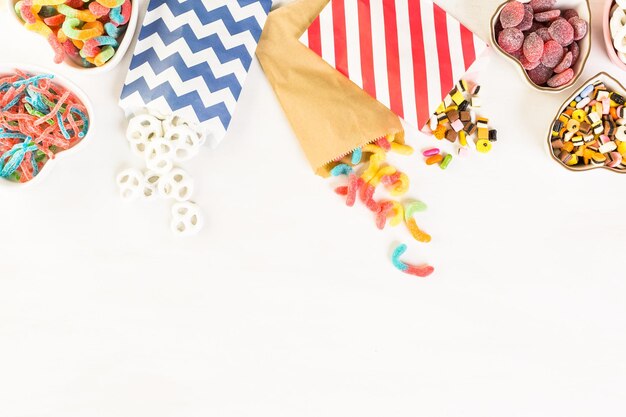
x,y
408,54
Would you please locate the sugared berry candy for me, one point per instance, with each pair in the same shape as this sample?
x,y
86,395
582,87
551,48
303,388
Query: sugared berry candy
x,y
575,50
580,27
544,34
552,54
511,39
529,65
547,16
533,47
542,5
540,75
562,32
512,14
565,63
527,21
569,13
561,79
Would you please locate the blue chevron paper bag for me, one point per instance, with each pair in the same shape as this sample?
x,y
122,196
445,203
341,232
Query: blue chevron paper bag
x,y
192,58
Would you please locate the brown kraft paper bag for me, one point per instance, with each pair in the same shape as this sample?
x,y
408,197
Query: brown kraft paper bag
x,y
330,115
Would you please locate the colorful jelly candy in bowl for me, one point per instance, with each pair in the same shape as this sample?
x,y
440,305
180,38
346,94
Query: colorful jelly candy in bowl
x,y
43,118
548,41
589,130
89,36
614,25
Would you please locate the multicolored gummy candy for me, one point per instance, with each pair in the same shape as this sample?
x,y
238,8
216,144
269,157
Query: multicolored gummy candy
x,y
38,119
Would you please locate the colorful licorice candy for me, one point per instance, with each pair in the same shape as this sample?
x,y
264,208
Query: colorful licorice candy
x,y
592,134
455,120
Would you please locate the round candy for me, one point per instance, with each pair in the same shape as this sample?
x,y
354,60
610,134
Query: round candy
x,y
527,64
540,75
565,63
511,40
575,50
579,115
542,5
561,79
512,14
562,32
552,54
517,54
533,47
567,14
544,34
580,27
528,20
548,16
483,146
536,26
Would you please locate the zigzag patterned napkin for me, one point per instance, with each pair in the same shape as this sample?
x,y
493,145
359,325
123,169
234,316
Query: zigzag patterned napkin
x,y
192,58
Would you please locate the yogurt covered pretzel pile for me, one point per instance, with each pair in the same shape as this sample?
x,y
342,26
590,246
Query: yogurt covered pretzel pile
x,y
163,141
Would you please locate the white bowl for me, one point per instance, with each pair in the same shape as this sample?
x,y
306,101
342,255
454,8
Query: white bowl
x,y
613,85
124,43
6,68
584,11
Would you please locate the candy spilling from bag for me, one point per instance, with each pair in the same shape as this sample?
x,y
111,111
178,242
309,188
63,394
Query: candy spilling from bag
x,y
404,54
163,141
456,121
189,67
365,169
192,59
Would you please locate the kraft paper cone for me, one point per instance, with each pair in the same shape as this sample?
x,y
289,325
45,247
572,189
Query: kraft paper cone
x,y
330,115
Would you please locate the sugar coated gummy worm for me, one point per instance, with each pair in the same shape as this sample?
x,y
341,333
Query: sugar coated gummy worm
x,y
38,119
418,271
93,28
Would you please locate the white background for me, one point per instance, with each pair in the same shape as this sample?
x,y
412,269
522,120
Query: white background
x,y
287,303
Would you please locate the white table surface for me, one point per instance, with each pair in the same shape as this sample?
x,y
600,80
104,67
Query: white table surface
x,y
287,303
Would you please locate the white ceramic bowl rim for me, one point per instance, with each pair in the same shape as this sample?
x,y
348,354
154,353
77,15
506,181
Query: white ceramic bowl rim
x,y
6,68
609,7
